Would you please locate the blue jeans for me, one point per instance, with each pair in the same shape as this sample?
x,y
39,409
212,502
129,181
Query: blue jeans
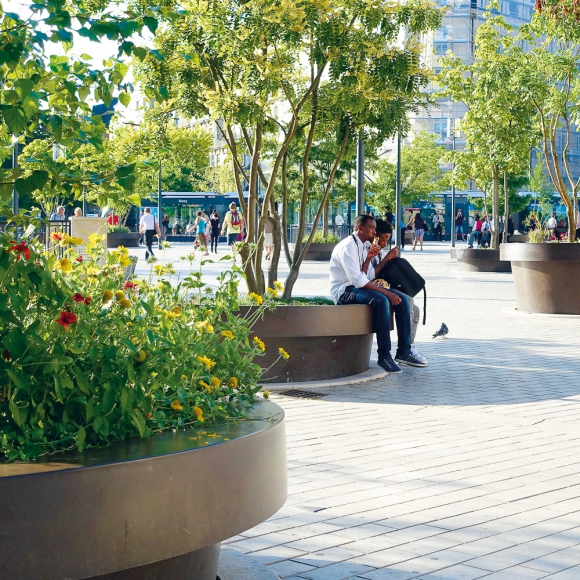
x,y
475,235
382,318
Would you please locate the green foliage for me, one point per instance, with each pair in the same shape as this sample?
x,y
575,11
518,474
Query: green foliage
x,y
320,238
421,173
118,229
53,92
87,360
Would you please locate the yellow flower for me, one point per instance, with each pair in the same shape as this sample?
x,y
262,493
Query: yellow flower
x,y
125,262
233,383
175,312
272,292
204,326
122,250
207,313
125,303
256,298
93,272
199,413
283,353
64,265
206,361
71,240
260,343
216,382
228,334
119,295
184,377
107,295
266,394
159,270
97,238
176,405
134,340
278,286
205,385
169,269
141,356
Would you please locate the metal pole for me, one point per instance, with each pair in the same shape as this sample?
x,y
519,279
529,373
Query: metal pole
x,y
159,203
360,175
452,221
398,208
15,200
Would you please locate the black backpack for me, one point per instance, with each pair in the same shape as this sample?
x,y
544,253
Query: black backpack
x,y
404,278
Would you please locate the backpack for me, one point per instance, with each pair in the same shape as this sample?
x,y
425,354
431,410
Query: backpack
x,y
404,278
235,220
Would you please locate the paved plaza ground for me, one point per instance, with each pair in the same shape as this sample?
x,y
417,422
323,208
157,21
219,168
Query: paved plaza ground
x,y
466,469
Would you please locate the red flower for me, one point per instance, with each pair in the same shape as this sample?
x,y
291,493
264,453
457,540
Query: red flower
x,y
6,355
66,319
130,286
77,297
79,258
87,300
20,249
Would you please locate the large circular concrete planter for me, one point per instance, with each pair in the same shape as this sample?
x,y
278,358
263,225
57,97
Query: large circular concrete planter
x,y
479,260
142,509
546,276
317,252
324,342
128,239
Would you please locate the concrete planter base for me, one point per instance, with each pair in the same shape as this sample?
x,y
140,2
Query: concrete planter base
x,y
324,342
317,252
143,509
476,260
546,277
129,240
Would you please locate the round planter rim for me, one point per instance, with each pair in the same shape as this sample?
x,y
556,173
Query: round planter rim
x,y
545,252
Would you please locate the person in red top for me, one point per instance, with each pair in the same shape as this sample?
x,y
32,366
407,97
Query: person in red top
x,y
475,232
113,220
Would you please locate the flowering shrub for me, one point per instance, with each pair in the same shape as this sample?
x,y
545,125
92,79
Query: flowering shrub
x,y
88,359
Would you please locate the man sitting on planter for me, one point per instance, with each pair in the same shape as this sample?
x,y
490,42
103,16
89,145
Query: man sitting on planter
x,y
350,285
373,272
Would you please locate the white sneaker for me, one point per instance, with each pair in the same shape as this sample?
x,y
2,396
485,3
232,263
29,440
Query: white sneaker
x,y
418,355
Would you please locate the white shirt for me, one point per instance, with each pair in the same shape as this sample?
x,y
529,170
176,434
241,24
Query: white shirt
x,y
147,222
485,226
552,222
339,220
437,218
346,266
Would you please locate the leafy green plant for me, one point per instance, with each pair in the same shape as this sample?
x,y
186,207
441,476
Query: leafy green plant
x,y
118,229
320,238
540,235
86,360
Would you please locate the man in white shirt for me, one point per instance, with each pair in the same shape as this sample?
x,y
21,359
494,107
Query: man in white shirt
x,y
350,285
338,222
552,222
147,227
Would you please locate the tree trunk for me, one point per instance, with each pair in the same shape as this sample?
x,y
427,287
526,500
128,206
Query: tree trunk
x,y
277,239
325,218
507,208
495,209
285,211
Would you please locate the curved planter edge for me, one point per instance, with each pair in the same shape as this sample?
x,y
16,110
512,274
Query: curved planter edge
x,y
546,277
317,252
324,342
128,239
480,260
143,506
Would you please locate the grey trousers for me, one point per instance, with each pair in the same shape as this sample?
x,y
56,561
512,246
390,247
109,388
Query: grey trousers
x,y
415,317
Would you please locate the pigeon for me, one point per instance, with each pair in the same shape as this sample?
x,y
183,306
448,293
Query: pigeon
x,y
442,331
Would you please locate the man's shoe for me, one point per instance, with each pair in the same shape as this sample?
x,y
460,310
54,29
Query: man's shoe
x,y
146,255
418,355
410,360
388,364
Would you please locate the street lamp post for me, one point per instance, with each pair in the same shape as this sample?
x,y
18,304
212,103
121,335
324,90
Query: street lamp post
x,y
360,175
455,129
398,216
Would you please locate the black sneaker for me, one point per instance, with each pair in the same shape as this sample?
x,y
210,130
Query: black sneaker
x,y
146,255
410,360
389,365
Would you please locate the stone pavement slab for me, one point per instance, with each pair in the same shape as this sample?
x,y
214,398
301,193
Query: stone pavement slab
x,y
466,469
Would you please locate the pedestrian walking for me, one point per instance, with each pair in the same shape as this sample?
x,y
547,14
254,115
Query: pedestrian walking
x,y
233,224
200,227
214,222
419,231
148,227
459,219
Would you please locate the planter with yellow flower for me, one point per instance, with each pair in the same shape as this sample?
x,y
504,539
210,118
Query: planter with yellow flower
x,y
311,342
137,402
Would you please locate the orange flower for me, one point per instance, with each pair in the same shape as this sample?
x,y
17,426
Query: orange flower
x,y
20,249
199,413
176,405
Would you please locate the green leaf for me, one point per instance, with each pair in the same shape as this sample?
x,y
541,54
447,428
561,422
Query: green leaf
x,y
151,23
90,411
124,98
15,118
81,436
139,422
21,383
82,381
58,389
18,414
23,87
97,423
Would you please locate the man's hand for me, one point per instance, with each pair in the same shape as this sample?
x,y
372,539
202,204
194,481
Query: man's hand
x,y
393,298
373,250
394,253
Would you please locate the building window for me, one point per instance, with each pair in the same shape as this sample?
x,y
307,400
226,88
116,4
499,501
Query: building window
x,y
440,47
440,128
